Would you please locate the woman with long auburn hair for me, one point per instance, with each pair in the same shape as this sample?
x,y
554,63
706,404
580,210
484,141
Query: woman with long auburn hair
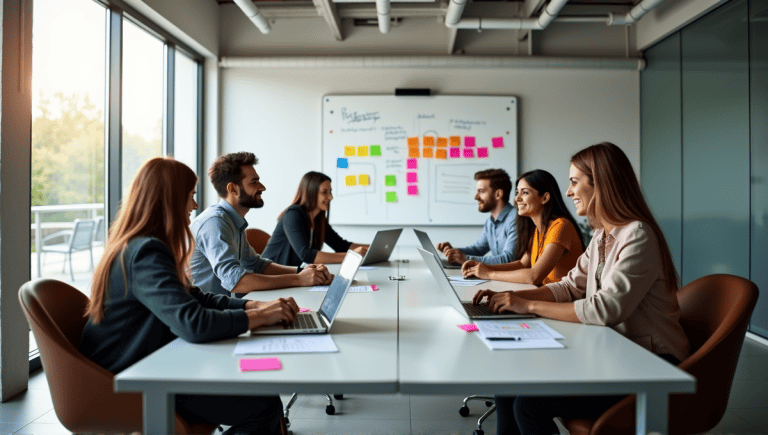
x,y
548,238
303,227
142,298
625,280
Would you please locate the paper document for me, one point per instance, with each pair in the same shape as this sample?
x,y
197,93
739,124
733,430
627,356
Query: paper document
x,y
366,268
460,280
354,289
547,343
316,343
523,329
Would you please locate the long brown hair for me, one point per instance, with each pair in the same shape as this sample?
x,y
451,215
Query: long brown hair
x,y
157,207
306,198
618,198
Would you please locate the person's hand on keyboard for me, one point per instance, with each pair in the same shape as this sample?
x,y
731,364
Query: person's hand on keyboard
x,y
455,256
507,302
268,313
482,294
476,269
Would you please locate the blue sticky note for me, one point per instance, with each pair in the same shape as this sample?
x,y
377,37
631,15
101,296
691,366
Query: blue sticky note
x,y
342,163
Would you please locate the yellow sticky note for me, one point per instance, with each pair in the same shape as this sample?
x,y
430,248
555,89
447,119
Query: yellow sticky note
x,y
365,180
441,154
428,152
349,151
429,141
413,152
351,180
413,142
362,151
455,141
442,142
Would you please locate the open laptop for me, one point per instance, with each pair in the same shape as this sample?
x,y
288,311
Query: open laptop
x,y
472,312
382,246
320,322
429,247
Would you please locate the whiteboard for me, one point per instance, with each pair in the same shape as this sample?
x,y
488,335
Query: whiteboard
x,y
411,160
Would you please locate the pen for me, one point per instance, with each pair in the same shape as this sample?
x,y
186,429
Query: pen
x,y
504,338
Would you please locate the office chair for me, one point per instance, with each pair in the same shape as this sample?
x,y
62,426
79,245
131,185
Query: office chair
x,y
82,392
79,238
489,402
714,312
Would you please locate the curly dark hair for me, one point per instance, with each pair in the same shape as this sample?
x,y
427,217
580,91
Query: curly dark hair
x,y
227,169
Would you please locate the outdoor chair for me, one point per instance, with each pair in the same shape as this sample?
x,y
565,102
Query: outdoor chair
x,y
79,238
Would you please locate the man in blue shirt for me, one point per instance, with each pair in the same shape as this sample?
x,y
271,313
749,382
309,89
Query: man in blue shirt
x,y
223,262
499,233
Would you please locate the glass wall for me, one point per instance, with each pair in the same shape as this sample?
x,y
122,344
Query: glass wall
x,y
185,126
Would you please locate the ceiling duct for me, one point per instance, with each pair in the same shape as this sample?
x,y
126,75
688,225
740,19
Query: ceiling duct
x,y
252,12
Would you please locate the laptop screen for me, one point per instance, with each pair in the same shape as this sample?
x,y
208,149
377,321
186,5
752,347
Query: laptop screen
x,y
338,288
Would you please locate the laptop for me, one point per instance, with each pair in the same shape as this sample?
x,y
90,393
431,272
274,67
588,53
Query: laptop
x,y
382,246
429,247
472,312
320,322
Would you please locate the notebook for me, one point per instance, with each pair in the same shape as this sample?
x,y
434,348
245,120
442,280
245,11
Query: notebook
x,y
429,247
382,246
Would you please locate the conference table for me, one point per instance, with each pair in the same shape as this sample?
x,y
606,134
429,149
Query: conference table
x,y
403,339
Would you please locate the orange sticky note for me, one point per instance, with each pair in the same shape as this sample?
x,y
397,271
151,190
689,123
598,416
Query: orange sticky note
x,y
413,152
429,141
362,151
441,154
365,180
349,151
442,142
428,152
413,142
455,141
351,180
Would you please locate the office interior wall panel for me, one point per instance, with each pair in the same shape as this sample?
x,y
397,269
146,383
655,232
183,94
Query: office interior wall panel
x,y
660,140
715,90
758,44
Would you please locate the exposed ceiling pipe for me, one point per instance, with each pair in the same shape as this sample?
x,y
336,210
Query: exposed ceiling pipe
x,y
634,14
252,12
548,14
382,13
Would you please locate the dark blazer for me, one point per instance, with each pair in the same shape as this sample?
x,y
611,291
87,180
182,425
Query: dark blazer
x,y
290,244
154,309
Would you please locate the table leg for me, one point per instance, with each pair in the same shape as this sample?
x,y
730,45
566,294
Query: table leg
x,y
159,413
652,413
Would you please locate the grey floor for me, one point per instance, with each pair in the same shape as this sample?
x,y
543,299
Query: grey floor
x,y
32,411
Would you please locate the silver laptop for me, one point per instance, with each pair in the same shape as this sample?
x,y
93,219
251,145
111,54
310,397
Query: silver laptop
x,y
429,247
382,246
472,312
320,322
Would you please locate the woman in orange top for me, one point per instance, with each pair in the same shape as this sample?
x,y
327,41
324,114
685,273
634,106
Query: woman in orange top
x,y
548,239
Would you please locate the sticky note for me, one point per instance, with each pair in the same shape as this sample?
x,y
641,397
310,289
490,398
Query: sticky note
x,y
362,151
469,328
413,142
391,196
469,153
251,364
365,180
469,141
375,150
342,163
304,310
413,152
429,141
455,152
349,151
455,141
351,180
374,287
413,190
440,154
390,180
482,152
412,177
428,152
442,142
497,142
413,164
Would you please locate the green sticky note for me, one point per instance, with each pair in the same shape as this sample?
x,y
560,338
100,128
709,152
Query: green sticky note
x,y
391,196
375,150
389,180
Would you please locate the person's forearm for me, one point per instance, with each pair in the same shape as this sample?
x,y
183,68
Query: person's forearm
x,y
515,265
329,257
253,282
278,269
554,310
357,245
520,275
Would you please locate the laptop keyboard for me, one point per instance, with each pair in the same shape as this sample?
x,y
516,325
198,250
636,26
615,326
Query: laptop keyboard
x,y
478,310
303,321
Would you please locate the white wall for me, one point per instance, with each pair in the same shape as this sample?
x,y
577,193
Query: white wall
x,y
276,113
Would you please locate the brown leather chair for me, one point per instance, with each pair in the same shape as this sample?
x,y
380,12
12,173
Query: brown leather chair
x,y
82,391
257,238
714,312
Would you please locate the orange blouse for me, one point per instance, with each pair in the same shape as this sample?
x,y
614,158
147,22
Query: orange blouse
x,y
562,232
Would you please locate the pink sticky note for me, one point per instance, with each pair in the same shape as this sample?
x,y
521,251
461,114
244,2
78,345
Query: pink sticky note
x,y
469,153
497,142
525,326
413,164
412,177
469,328
413,190
455,153
304,310
251,364
482,152
374,287
469,141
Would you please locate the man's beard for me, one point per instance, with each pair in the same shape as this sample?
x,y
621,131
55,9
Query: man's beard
x,y
249,201
485,207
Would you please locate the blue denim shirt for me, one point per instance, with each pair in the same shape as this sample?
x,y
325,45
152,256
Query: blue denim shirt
x,y
222,254
499,237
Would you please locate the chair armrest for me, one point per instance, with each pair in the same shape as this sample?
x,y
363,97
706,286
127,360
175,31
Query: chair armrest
x,y
67,233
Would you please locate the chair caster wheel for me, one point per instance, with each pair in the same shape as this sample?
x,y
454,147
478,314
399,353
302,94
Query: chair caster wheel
x,y
489,404
338,396
464,411
330,410
478,432
287,423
